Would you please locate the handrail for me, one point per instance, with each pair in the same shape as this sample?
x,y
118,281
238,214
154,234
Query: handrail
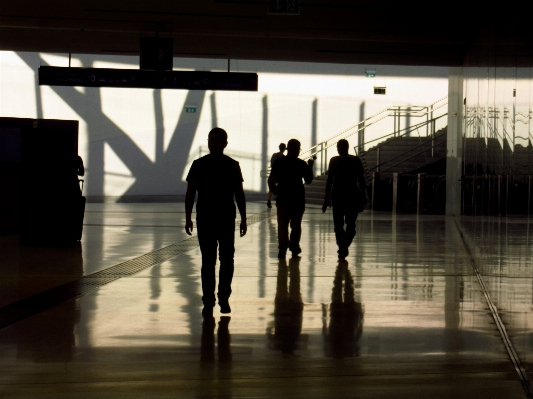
x,y
495,118
407,159
413,110
412,128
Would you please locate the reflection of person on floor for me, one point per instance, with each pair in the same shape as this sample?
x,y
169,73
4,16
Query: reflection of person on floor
x,y
346,191
345,317
216,385
275,156
288,308
217,178
207,350
285,181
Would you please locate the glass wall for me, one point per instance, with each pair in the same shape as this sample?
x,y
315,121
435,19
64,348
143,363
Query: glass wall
x,y
497,146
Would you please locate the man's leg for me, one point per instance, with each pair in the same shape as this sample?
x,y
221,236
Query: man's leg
x,y
269,204
351,217
283,225
226,252
296,215
208,246
338,223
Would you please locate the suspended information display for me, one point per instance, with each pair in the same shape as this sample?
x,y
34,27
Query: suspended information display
x,y
137,78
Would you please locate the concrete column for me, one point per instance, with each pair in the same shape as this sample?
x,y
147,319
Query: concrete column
x,y
454,157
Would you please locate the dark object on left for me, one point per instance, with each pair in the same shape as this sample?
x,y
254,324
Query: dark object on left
x,y
43,193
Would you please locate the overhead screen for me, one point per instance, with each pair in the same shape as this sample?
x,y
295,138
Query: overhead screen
x,y
135,78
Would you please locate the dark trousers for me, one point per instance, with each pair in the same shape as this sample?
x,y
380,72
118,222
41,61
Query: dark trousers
x,y
213,234
344,213
290,214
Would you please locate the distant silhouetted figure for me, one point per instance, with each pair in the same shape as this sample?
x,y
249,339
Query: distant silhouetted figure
x,y
79,171
346,191
217,178
345,316
288,307
285,181
276,155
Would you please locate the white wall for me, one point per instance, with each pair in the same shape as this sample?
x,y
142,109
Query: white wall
x,y
141,141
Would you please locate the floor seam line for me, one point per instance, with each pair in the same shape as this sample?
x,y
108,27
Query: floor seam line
x,y
522,374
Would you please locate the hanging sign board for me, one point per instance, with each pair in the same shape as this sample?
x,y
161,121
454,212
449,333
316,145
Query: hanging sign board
x,y
143,79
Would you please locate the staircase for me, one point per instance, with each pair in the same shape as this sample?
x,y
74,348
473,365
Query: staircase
x,y
396,151
397,154
404,154
314,192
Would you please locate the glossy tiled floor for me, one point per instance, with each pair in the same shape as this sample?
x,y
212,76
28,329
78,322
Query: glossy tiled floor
x,y
404,316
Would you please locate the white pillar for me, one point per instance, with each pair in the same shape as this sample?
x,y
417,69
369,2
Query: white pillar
x,y
454,157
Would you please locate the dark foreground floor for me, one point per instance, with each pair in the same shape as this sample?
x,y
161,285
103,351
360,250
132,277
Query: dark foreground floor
x,y
404,316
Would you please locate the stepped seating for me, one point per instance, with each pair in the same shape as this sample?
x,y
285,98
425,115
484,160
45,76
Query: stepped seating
x,y
404,154
314,192
397,154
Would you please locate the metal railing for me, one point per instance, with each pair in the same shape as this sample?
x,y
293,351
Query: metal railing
x,y
500,124
320,150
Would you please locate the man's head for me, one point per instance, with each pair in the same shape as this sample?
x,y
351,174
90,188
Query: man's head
x,y
282,147
342,147
293,148
217,140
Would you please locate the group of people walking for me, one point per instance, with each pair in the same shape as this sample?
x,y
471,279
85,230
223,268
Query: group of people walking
x,y
218,179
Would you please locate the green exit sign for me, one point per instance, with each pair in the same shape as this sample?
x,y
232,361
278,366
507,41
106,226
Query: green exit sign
x,y
370,73
190,110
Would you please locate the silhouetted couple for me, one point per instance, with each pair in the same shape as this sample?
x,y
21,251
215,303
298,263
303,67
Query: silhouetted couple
x,y
346,192
217,178
285,181
282,147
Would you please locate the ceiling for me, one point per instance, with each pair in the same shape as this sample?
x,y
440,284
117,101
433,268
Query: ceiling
x,y
339,31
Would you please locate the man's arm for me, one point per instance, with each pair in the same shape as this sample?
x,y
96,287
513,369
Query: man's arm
x,y
241,204
272,184
189,203
308,174
329,184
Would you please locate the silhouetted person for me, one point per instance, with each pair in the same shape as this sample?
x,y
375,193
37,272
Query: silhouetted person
x,y
217,178
276,155
346,191
288,307
345,316
285,181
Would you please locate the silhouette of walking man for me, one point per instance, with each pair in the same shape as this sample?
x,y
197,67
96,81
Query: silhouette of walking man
x,y
275,156
348,195
285,181
217,178
288,307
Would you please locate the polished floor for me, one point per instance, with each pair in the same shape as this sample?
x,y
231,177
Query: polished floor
x,y
404,316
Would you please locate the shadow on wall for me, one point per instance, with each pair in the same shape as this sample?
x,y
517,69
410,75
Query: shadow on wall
x,y
163,175
169,165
